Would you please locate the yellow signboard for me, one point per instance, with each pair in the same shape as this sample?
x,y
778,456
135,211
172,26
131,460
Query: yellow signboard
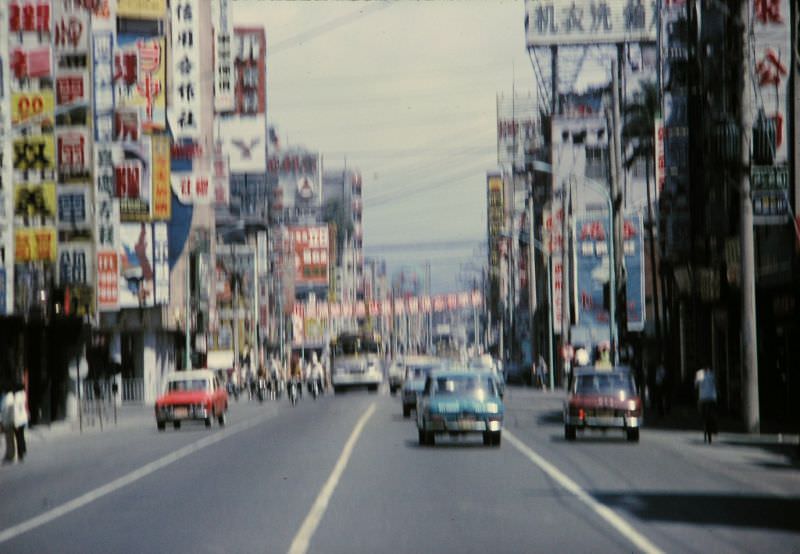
x,y
147,9
34,204
35,245
29,107
162,196
37,153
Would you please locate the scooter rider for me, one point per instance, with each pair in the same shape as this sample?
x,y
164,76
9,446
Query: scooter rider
x,y
316,373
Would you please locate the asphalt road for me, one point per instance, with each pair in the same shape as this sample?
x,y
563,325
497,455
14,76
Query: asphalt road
x,y
345,474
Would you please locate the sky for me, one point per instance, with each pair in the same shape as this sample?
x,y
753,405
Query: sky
x,y
406,93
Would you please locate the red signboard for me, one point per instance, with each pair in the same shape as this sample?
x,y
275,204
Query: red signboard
x,y
70,88
32,16
128,179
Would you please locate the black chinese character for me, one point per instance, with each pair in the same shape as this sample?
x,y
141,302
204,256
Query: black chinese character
x,y
600,16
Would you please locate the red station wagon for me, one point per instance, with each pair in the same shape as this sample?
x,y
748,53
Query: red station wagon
x,y
191,395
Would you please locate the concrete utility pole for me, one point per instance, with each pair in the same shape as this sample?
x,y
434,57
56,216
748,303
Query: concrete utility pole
x,y
616,203
749,337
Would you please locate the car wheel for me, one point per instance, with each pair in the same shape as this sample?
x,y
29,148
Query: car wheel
x,y
161,425
569,432
422,438
392,390
373,388
176,424
496,435
431,438
406,411
487,439
221,419
632,435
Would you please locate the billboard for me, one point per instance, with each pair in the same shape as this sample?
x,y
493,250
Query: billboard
x,y
243,138
311,246
570,22
136,275
518,128
139,78
133,179
592,270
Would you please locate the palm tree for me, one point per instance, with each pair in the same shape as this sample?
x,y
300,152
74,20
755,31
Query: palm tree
x,y
638,138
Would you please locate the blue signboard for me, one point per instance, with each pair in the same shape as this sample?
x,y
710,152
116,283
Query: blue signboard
x,y
591,253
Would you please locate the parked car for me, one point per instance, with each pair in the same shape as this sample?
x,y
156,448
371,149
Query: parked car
x,y
191,395
417,369
603,399
458,402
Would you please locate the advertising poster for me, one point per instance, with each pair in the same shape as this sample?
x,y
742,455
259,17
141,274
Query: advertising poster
x,y
136,272
140,77
593,270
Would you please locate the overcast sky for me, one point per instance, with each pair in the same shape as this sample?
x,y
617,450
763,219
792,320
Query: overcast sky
x,y
405,92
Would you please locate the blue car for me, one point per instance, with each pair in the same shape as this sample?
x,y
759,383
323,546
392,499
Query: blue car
x,y
459,402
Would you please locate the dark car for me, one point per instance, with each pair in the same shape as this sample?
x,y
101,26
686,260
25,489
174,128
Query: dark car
x,y
603,399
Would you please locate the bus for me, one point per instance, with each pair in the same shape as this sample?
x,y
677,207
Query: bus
x,y
356,361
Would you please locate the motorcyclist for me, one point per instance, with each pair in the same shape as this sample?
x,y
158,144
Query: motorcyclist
x,y
316,373
296,374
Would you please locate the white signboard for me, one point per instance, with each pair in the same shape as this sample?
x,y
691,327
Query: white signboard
x,y
103,85
185,112
564,22
244,139
192,187
224,77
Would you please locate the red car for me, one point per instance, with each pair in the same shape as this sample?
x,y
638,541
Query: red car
x,y
603,399
191,395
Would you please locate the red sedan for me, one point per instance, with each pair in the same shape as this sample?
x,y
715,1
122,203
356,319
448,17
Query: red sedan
x,y
603,399
191,395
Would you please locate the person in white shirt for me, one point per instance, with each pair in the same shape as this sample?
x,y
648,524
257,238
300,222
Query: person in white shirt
x,y
7,421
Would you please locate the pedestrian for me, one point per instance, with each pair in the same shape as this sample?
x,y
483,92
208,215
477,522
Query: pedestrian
x,y
20,419
541,372
7,422
706,384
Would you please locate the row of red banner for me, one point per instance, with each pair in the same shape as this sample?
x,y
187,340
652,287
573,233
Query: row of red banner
x,y
398,306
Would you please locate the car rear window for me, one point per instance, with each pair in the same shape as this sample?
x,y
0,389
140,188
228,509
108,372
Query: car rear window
x,y
188,384
598,383
468,384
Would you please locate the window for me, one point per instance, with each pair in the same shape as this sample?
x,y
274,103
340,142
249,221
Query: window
x,y
597,163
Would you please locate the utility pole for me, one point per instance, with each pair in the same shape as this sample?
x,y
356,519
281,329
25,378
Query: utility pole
x,y
616,204
749,337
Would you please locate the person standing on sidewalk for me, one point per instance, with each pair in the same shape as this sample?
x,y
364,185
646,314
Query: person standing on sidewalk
x,y
7,422
706,384
20,419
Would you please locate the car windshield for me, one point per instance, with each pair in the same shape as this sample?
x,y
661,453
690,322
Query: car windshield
x,y
188,385
610,383
466,384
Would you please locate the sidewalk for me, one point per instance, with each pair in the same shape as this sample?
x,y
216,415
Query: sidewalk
x,y
127,416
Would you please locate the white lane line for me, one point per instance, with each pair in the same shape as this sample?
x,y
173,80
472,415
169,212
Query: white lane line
x,y
125,480
303,536
624,528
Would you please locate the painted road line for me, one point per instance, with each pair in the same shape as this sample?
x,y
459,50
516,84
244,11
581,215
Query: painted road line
x,y
622,526
125,480
303,536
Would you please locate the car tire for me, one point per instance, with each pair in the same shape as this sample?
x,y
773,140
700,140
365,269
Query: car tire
x,y
431,438
496,437
176,424
221,419
161,425
569,432
423,439
487,439
406,411
373,388
632,435
393,390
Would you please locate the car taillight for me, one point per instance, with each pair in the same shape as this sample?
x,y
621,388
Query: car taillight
x,y
581,414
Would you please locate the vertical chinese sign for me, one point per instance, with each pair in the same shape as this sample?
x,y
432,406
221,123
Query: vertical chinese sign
x,y
6,230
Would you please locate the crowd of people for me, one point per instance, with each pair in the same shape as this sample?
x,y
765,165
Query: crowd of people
x,y
273,379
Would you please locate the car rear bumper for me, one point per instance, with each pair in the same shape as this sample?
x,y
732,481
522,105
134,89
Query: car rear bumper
x,y
356,380
463,426
604,422
182,413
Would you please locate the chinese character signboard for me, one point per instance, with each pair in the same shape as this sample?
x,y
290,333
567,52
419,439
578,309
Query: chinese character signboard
x,y
75,263
35,205
33,107
224,97
103,83
162,208
74,208
592,268
773,57
185,110
311,249
133,180
149,9
565,22
139,78
35,244
769,187
518,128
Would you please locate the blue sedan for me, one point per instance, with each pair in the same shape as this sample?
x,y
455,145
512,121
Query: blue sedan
x,y
458,402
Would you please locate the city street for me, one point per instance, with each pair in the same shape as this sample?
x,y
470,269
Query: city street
x,y
345,474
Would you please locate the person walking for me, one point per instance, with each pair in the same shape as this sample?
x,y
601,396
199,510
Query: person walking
x,y
7,422
20,419
706,384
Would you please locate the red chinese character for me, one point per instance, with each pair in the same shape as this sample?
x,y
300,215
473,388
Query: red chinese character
x,y
201,187
126,67
770,69
768,11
